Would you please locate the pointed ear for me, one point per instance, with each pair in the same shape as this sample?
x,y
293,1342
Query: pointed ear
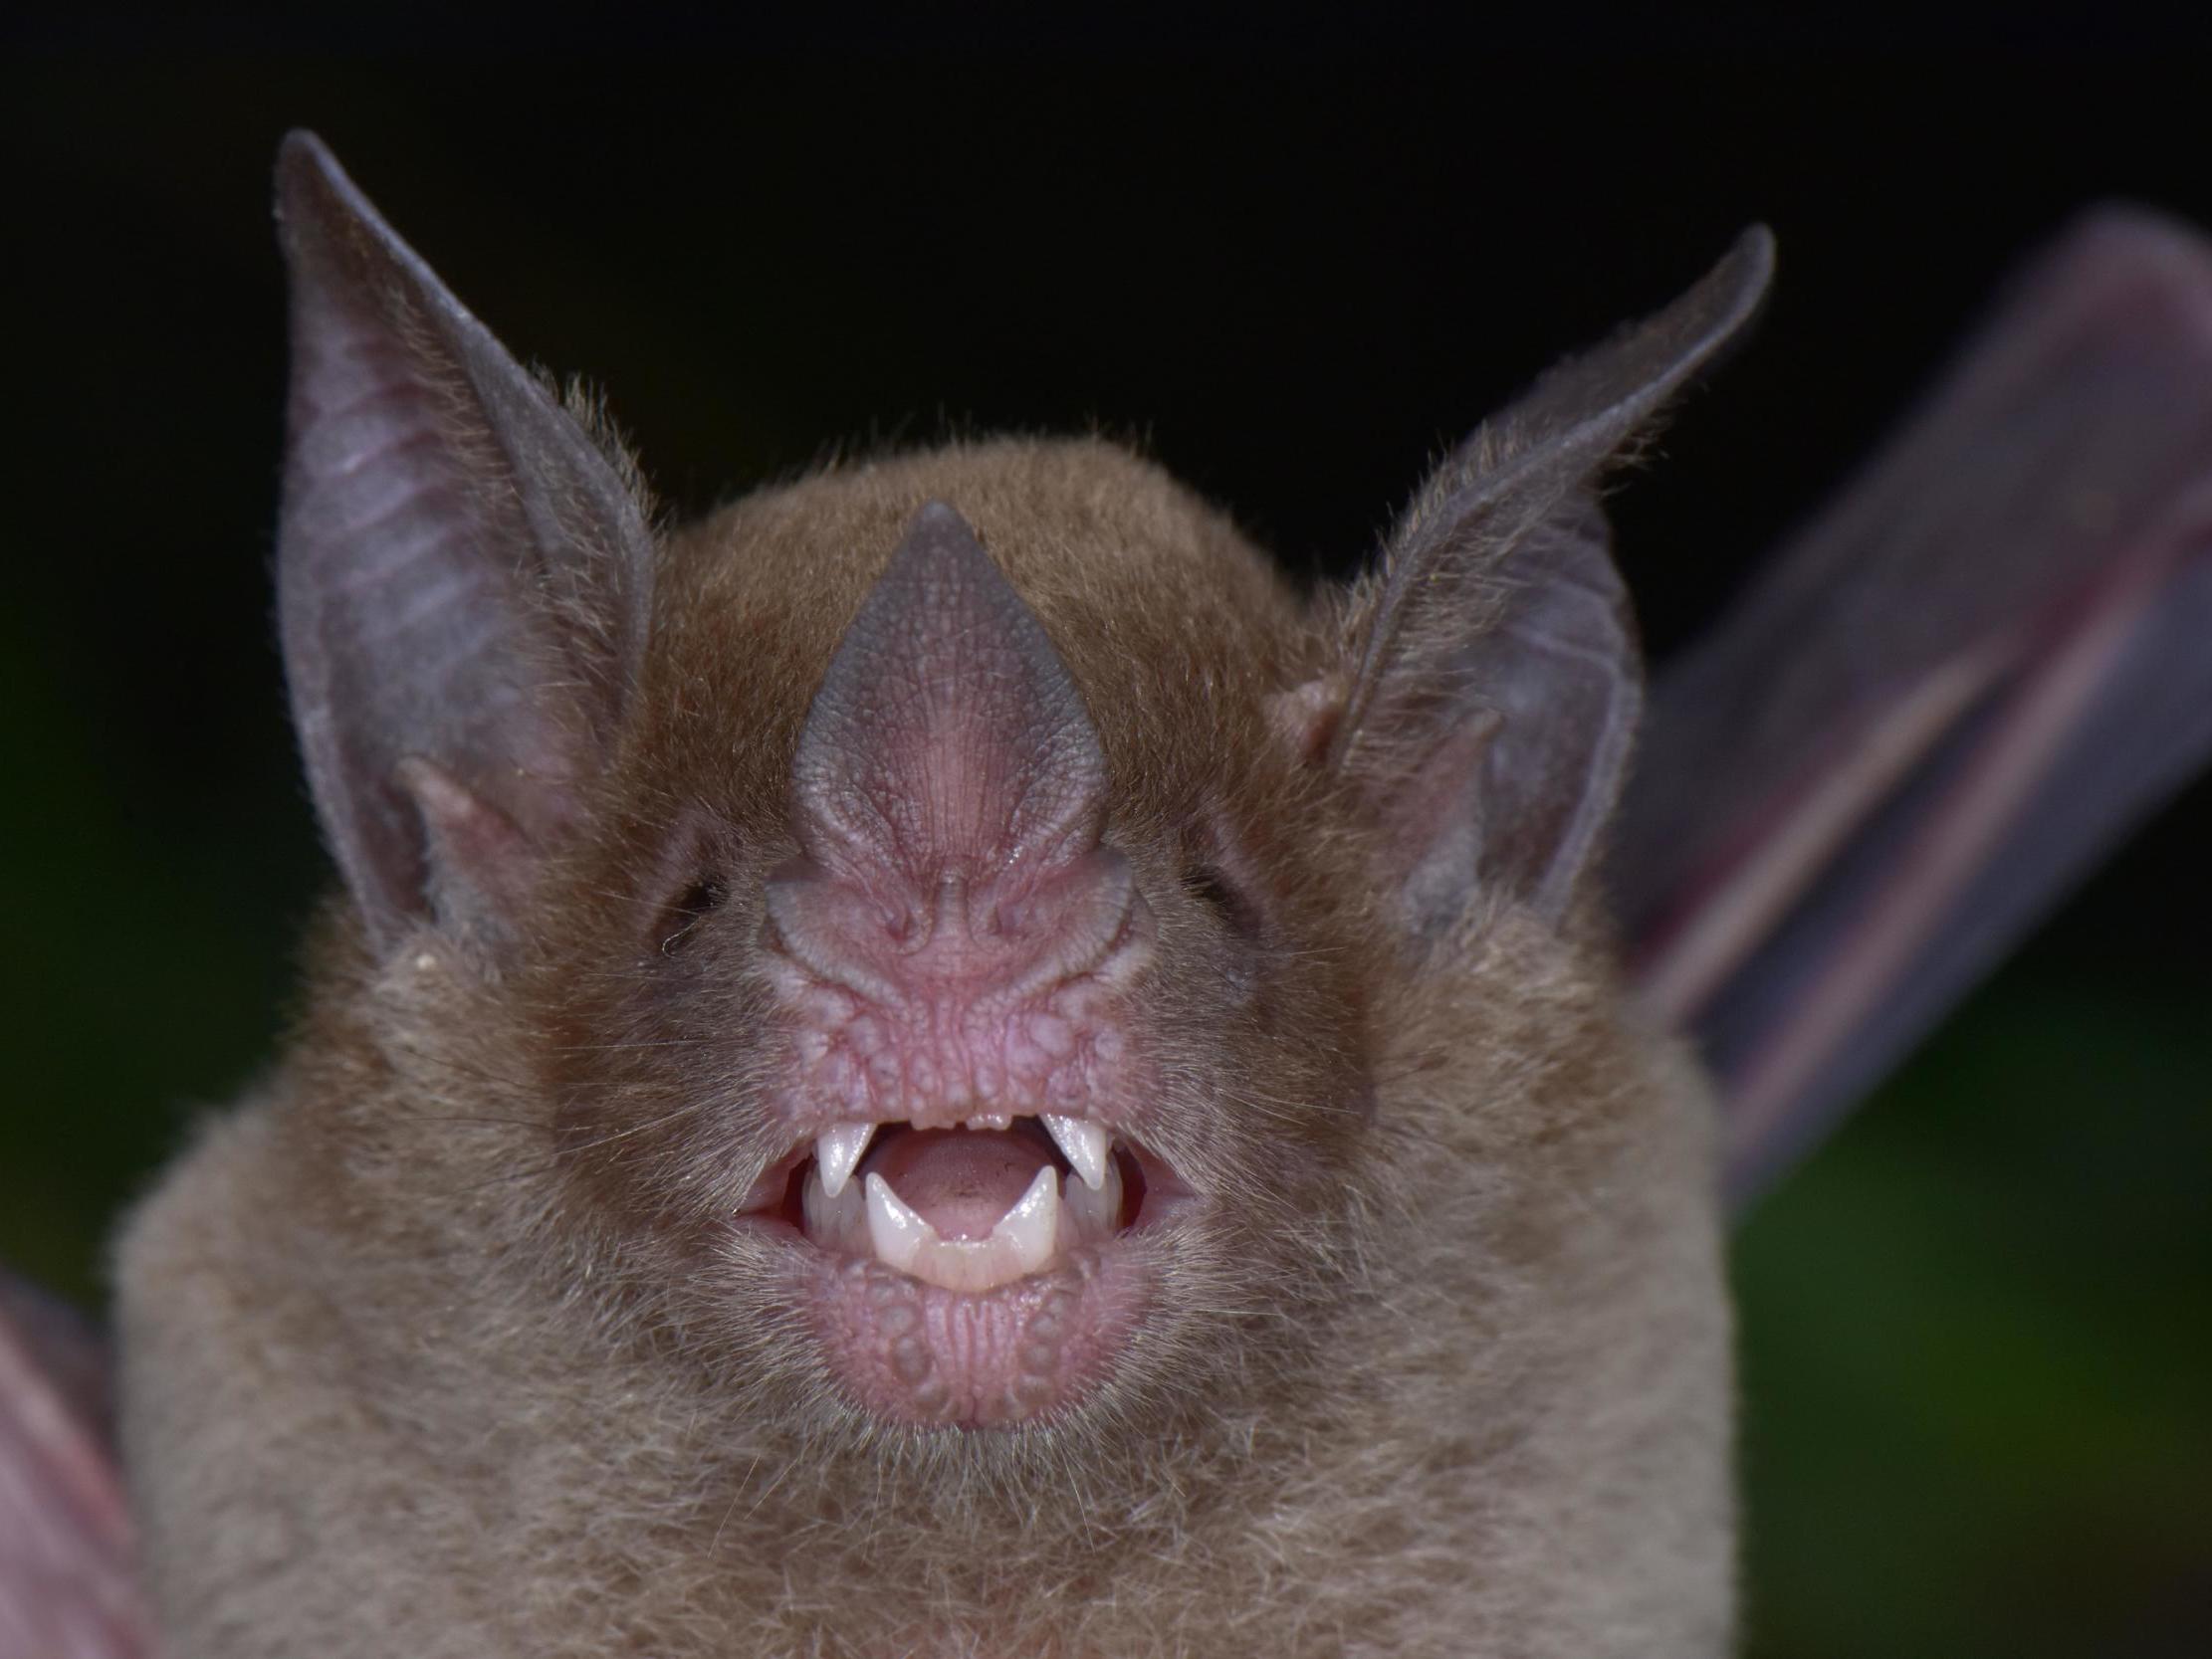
x,y
1490,681
462,576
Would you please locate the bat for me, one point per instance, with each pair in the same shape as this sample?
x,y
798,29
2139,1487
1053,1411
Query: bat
x,y
662,1233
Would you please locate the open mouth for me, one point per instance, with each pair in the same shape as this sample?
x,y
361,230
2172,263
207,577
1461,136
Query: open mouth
x,y
968,1207
973,1273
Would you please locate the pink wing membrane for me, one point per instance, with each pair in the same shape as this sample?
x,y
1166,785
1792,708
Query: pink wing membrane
x,y
66,1584
1950,694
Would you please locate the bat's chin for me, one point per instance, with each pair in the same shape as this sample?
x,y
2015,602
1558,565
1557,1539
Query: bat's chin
x,y
973,1276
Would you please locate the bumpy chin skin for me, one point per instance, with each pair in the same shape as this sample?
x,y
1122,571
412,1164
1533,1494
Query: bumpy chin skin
x,y
920,1355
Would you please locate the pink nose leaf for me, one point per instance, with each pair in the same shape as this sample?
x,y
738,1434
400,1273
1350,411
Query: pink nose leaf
x,y
947,734
949,792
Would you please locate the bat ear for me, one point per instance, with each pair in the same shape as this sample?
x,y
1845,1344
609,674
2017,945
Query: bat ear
x,y
462,576
1489,681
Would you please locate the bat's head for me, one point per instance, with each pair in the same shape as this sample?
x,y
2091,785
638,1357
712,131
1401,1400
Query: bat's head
x,y
947,996
953,943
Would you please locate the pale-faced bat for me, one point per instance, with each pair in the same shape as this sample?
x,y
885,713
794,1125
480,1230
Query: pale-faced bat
x,y
1280,1229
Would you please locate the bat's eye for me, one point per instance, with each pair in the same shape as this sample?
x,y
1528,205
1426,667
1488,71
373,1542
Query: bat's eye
x,y
1210,886
681,917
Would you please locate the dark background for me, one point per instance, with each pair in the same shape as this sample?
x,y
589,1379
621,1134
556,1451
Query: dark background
x,y
1977,1347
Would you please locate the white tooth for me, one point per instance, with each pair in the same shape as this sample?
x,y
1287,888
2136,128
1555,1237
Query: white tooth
x,y
1084,1145
1025,1239
1094,1217
898,1234
837,1154
1029,1232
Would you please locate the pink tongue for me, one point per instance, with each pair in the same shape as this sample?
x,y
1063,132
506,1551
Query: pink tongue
x,y
960,1181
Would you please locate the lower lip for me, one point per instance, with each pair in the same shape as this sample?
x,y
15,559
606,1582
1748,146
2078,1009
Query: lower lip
x,y
1025,1352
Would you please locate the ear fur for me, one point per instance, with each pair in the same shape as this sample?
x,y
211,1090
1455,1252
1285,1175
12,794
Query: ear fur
x,y
463,576
1491,669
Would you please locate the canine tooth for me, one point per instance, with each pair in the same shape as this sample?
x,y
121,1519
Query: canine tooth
x,y
898,1234
1084,1145
837,1154
1029,1232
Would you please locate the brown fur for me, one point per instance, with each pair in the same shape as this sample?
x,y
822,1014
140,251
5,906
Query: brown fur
x,y
434,1346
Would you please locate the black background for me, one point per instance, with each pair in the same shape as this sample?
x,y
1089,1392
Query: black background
x,y
1293,263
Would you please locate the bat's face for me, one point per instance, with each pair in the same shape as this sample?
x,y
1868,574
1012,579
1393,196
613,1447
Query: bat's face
x,y
954,1022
